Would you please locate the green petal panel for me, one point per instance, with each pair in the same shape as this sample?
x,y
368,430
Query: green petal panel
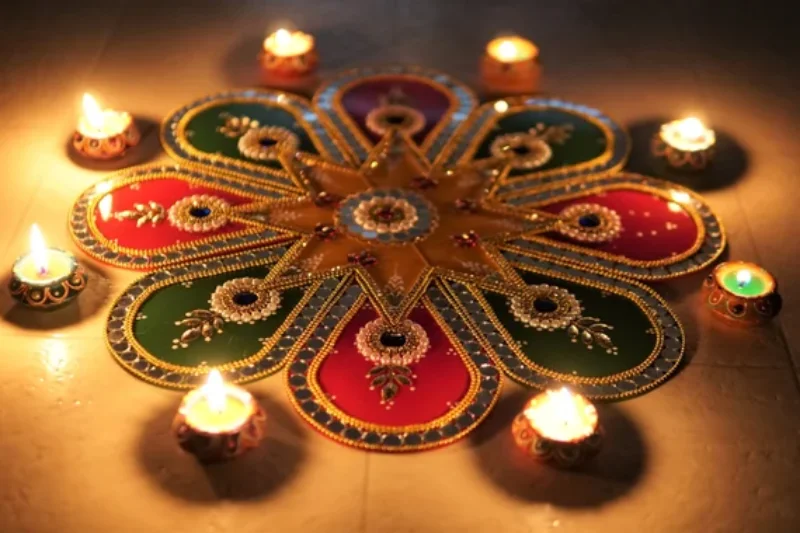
x,y
633,333
238,341
205,137
587,140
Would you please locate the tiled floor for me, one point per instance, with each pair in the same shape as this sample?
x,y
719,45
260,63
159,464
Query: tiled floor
x,y
85,446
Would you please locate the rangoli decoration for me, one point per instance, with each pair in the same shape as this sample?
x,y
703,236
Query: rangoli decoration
x,y
396,274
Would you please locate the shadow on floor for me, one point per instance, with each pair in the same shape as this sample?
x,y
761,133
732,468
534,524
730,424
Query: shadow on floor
x,y
614,472
148,149
253,476
87,304
730,160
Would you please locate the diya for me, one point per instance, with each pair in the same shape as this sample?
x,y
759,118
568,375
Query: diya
x,y
288,60
510,65
742,293
104,133
685,144
46,278
559,427
218,421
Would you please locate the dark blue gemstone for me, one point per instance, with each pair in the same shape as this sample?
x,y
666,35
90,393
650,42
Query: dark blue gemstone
x,y
521,150
544,305
395,120
267,142
589,221
245,298
393,340
200,212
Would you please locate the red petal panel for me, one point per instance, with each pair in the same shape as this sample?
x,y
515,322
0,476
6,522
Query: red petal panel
x,y
165,192
442,377
653,228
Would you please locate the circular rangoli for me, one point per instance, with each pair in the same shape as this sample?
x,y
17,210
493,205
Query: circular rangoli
x,y
394,252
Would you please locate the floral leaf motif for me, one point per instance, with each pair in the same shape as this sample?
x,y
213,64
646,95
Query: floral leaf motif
x,y
377,370
379,380
389,391
236,126
143,213
394,289
389,379
200,323
591,332
552,134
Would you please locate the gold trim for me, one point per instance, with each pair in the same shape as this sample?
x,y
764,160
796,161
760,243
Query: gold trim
x,y
120,180
690,210
478,138
133,310
356,131
475,291
219,100
456,412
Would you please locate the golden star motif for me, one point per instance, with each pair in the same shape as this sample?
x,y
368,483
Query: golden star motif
x,y
462,243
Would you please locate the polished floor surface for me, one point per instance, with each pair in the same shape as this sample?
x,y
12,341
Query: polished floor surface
x,y
86,447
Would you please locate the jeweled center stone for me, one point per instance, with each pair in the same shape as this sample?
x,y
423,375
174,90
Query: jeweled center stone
x,y
396,120
391,339
589,221
521,150
387,214
267,142
544,305
200,211
245,298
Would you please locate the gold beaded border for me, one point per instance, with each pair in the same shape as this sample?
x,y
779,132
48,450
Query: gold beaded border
x,y
353,128
222,99
313,281
316,389
516,106
133,309
322,400
688,207
120,180
476,286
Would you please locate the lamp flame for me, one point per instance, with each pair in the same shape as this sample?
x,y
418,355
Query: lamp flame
x,y
507,51
691,128
564,405
743,277
38,250
215,391
283,37
92,111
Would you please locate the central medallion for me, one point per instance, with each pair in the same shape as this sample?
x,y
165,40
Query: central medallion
x,y
390,216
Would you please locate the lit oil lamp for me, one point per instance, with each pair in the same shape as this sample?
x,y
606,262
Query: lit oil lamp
x,y
559,427
104,133
685,144
46,278
289,59
742,293
510,65
219,421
